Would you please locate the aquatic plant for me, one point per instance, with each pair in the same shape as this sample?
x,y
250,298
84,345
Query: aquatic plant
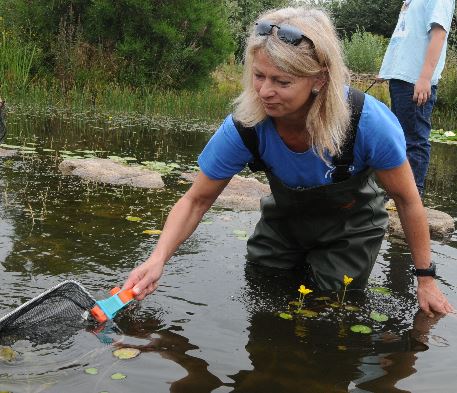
x,y
303,292
346,281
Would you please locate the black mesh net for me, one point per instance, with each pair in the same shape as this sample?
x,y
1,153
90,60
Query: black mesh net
x,y
58,312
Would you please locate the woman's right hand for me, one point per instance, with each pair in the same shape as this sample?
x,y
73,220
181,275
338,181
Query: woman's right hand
x,y
144,279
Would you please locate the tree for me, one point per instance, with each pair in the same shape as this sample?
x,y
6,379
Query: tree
x,y
377,17
242,14
172,44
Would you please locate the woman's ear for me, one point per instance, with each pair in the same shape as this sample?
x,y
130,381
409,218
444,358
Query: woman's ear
x,y
321,79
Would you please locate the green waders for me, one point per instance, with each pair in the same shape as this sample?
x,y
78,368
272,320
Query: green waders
x,y
332,230
337,229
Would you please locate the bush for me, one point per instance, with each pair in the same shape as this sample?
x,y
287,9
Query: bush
x,y
364,51
171,44
447,87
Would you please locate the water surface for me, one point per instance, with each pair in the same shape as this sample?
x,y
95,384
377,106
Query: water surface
x,y
213,323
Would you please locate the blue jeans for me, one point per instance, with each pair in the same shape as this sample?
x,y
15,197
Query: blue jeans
x,y
416,124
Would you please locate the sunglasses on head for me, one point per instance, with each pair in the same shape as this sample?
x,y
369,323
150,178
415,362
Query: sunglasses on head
x,y
286,33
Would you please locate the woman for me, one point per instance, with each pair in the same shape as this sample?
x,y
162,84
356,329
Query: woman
x,y
296,99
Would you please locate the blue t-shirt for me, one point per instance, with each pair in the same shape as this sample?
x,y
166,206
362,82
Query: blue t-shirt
x,y
407,48
379,144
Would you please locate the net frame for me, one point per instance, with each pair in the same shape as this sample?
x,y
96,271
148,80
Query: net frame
x,y
75,302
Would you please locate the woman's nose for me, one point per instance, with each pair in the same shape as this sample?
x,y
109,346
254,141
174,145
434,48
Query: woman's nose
x,y
266,89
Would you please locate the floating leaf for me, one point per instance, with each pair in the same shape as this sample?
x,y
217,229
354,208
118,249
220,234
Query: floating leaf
x,y
295,303
323,298
91,371
342,347
126,353
118,376
285,315
352,308
133,219
28,152
378,317
161,167
382,290
361,329
7,354
307,313
152,231
240,232
335,305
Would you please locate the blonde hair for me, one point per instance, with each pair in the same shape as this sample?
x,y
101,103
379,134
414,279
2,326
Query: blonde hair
x,y
328,117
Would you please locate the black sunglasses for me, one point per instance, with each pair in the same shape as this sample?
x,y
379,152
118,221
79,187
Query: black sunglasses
x,y
286,33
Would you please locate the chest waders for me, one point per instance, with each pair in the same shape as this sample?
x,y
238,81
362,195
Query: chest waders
x,y
331,230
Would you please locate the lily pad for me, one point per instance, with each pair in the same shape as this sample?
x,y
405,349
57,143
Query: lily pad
x,y
295,303
152,231
118,376
382,290
352,308
240,232
361,329
133,219
126,353
161,167
285,315
378,317
91,371
307,313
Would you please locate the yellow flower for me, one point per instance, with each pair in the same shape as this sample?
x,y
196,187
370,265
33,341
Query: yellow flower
x,y
347,280
303,290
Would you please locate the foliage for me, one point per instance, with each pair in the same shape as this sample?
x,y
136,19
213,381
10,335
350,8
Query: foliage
x,y
447,88
242,14
364,51
173,44
16,59
377,17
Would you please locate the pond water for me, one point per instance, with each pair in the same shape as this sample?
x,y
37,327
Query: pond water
x,y
213,324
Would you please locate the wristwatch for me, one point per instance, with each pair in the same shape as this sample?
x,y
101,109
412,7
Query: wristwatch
x,y
430,271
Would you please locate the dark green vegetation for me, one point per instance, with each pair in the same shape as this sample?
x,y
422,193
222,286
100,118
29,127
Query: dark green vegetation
x,y
179,57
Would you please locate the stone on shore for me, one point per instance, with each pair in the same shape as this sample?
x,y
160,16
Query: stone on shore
x,y
107,171
242,193
441,224
7,152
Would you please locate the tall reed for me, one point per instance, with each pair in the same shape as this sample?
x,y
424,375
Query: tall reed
x,y
16,59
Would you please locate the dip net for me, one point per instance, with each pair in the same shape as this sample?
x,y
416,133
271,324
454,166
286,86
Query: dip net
x,y
57,312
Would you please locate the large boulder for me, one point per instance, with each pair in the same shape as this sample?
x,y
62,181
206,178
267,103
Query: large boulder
x,y
441,224
107,171
7,152
242,193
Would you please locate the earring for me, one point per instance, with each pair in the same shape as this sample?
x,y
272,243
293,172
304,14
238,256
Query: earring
x,y
315,91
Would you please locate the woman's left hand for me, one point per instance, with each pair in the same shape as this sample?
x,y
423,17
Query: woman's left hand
x,y
430,298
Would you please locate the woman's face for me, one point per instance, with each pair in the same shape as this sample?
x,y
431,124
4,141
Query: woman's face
x,y
283,95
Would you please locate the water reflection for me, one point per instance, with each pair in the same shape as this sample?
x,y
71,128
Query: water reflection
x,y
322,355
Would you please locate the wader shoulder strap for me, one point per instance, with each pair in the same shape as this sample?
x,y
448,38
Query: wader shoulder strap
x,y
251,141
343,161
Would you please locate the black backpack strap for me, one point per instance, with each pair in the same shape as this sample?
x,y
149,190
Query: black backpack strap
x,y
343,161
251,141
